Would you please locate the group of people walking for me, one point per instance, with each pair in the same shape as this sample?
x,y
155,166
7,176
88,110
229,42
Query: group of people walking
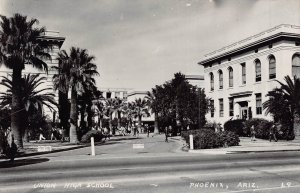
x,y
272,133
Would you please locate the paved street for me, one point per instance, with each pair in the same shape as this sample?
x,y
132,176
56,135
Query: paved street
x,y
159,167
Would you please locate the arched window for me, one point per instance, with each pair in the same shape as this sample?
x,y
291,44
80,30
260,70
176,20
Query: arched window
x,y
230,73
296,65
220,79
272,67
211,81
257,70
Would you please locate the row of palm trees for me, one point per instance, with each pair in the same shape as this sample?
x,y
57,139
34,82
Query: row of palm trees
x,y
19,46
131,111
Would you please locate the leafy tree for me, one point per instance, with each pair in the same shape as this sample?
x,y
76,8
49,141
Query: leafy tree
x,y
179,103
34,97
19,45
284,103
76,72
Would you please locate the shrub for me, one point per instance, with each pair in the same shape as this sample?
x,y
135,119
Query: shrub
x,y
261,126
86,138
7,149
228,138
236,126
207,139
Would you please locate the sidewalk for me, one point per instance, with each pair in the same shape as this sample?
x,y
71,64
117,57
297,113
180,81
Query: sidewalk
x,y
260,145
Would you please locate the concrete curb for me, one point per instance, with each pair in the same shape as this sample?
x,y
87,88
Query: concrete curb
x,y
219,152
22,154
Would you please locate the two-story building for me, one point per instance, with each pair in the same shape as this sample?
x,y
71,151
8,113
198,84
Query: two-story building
x,y
238,76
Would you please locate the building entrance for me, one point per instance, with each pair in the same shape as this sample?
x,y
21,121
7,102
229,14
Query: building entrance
x,y
243,109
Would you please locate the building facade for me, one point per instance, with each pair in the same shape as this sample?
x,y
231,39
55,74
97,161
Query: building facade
x,y
238,76
56,41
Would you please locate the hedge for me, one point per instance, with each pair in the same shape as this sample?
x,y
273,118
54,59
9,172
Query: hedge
x,y
86,138
236,126
207,139
262,129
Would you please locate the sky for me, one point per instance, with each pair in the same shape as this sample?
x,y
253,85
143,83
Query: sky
x,y
141,43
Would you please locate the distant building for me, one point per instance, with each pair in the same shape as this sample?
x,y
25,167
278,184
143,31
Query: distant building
x,y
195,80
238,76
121,93
56,41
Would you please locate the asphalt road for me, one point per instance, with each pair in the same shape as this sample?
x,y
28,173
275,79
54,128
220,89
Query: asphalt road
x,y
169,171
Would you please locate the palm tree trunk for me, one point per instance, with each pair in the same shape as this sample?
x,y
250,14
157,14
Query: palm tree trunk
x,y
140,123
119,119
110,124
89,116
64,109
26,127
73,117
16,108
156,123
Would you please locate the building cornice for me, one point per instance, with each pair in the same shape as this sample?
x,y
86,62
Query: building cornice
x,y
272,35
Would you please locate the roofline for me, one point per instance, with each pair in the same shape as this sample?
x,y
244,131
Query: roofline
x,y
250,45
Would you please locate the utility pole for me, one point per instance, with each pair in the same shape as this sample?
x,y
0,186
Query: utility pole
x,y
199,107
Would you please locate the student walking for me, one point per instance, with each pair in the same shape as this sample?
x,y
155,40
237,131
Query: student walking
x,y
272,133
166,133
252,131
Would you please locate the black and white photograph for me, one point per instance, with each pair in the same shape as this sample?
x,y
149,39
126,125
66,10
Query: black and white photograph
x,y
149,96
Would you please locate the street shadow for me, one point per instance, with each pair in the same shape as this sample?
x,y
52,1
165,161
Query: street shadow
x,y
22,162
125,139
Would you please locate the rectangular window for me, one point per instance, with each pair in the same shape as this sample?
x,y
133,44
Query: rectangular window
x,y
243,73
258,104
212,110
221,107
231,107
117,94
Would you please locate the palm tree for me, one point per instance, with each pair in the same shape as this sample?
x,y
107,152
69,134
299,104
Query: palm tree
x,y
284,102
154,106
19,46
140,110
76,72
33,98
111,106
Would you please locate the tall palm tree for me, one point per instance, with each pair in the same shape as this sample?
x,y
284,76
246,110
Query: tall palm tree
x,y
284,102
111,106
19,46
140,110
154,106
76,72
128,111
33,98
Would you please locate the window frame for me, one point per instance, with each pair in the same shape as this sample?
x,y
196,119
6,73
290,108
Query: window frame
x,y
257,73
230,76
272,67
221,107
212,81
221,79
244,77
258,103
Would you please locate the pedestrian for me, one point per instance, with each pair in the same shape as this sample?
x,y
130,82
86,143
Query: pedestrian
x,y
272,133
148,130
252,133
41,136
166,133
53,133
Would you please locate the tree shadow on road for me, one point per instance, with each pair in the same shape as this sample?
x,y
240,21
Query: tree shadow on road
x,y
21,162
